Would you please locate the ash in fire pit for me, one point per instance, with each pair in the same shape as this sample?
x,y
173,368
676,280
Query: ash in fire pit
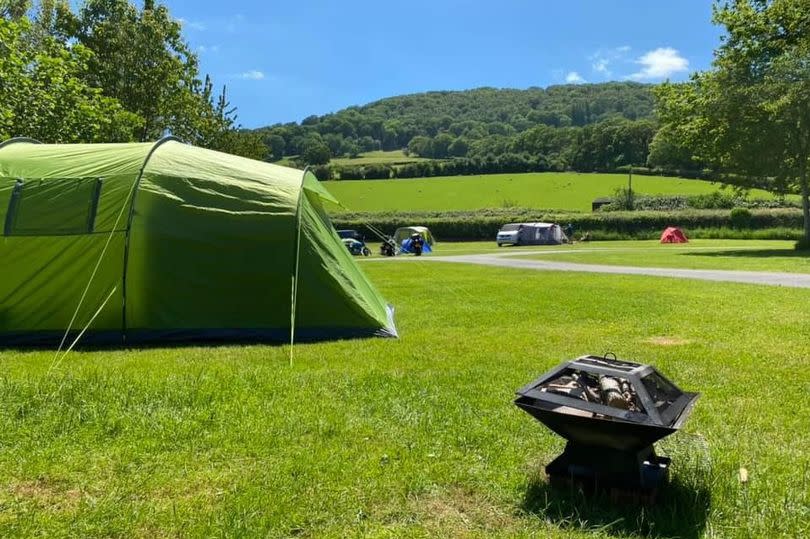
x,y
611,412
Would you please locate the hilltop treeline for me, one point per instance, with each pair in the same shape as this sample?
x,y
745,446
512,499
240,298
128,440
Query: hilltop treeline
x,y
108,71
581,127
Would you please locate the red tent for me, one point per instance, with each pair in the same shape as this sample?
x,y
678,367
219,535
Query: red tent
x,y
673,235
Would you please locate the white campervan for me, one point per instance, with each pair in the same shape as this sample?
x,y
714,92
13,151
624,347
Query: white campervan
x,y
531,234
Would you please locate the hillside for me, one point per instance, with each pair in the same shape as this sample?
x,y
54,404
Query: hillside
x,y
558,191
459,123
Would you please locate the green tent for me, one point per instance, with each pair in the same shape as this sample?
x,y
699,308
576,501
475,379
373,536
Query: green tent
x,y
176,243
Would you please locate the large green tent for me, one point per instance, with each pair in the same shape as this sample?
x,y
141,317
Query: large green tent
x,y
176,243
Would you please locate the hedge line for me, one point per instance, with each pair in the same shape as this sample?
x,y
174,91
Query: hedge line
x,y
464,166
484,224
708,201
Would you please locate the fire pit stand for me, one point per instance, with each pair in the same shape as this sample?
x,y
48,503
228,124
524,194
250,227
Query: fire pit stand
x,y
611,412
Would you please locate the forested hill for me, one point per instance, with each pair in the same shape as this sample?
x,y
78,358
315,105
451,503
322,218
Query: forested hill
x,y
556,106
465,116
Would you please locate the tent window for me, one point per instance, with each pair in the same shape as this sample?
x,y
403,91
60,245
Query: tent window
x,y
53,207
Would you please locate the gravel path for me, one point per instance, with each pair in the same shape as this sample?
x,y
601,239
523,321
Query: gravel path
x,y
795,280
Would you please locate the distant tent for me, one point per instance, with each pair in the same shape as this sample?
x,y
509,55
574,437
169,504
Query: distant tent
x,y
405,232
673,235
531,234
407,247
183,243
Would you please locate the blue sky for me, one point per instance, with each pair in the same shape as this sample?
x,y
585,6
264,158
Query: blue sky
x,y
283,61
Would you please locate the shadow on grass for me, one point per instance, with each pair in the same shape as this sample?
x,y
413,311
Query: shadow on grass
x,y
753,253
680,510
33,341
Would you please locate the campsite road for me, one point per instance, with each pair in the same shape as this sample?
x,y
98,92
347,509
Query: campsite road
x,y
795,280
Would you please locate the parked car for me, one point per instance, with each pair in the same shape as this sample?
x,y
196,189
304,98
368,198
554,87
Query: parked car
x,y
509,234
353,234
355,247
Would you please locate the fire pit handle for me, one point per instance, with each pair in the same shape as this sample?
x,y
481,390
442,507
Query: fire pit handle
x,y
606,354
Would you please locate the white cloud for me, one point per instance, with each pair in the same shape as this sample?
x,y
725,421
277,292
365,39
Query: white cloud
x,y
253,74
660,63
601,66
574,78
205,48
192,25
603,59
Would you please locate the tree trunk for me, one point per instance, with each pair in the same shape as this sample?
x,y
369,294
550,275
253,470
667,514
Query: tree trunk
x,y
805,199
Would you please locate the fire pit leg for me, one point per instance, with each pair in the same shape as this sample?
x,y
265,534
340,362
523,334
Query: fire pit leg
x,y
603,468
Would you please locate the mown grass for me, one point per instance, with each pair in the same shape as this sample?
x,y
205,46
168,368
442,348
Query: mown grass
x,y
415,437
780,256
562,191
752,255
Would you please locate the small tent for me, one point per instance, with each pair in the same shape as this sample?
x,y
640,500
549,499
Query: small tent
x,y
177,243
405,232
673,235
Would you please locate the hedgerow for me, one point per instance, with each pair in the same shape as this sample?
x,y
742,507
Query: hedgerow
x,y
783,223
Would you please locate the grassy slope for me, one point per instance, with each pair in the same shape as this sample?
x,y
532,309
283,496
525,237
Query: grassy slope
x,y
563,191
415,437
394,157
698,254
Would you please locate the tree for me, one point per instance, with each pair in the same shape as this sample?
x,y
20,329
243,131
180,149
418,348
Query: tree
x,y
316,152
350,148
441,145
14,10
141,59
666,151
276,144
420,145
459,148
43,94
749,116
335,142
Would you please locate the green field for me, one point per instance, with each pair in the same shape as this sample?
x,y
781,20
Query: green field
x,y
546,190
415,437
699,254
393,157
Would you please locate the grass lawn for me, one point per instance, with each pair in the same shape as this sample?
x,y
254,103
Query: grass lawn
x,y
749,255
415,437
548,190
697,254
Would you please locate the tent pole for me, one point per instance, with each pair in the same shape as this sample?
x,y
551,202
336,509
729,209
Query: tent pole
x,y
16,140
130,198
128,230
297,258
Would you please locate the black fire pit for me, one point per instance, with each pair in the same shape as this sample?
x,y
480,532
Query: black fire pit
x,y
611,412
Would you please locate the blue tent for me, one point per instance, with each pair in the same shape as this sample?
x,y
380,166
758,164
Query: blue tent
x,y
405,246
